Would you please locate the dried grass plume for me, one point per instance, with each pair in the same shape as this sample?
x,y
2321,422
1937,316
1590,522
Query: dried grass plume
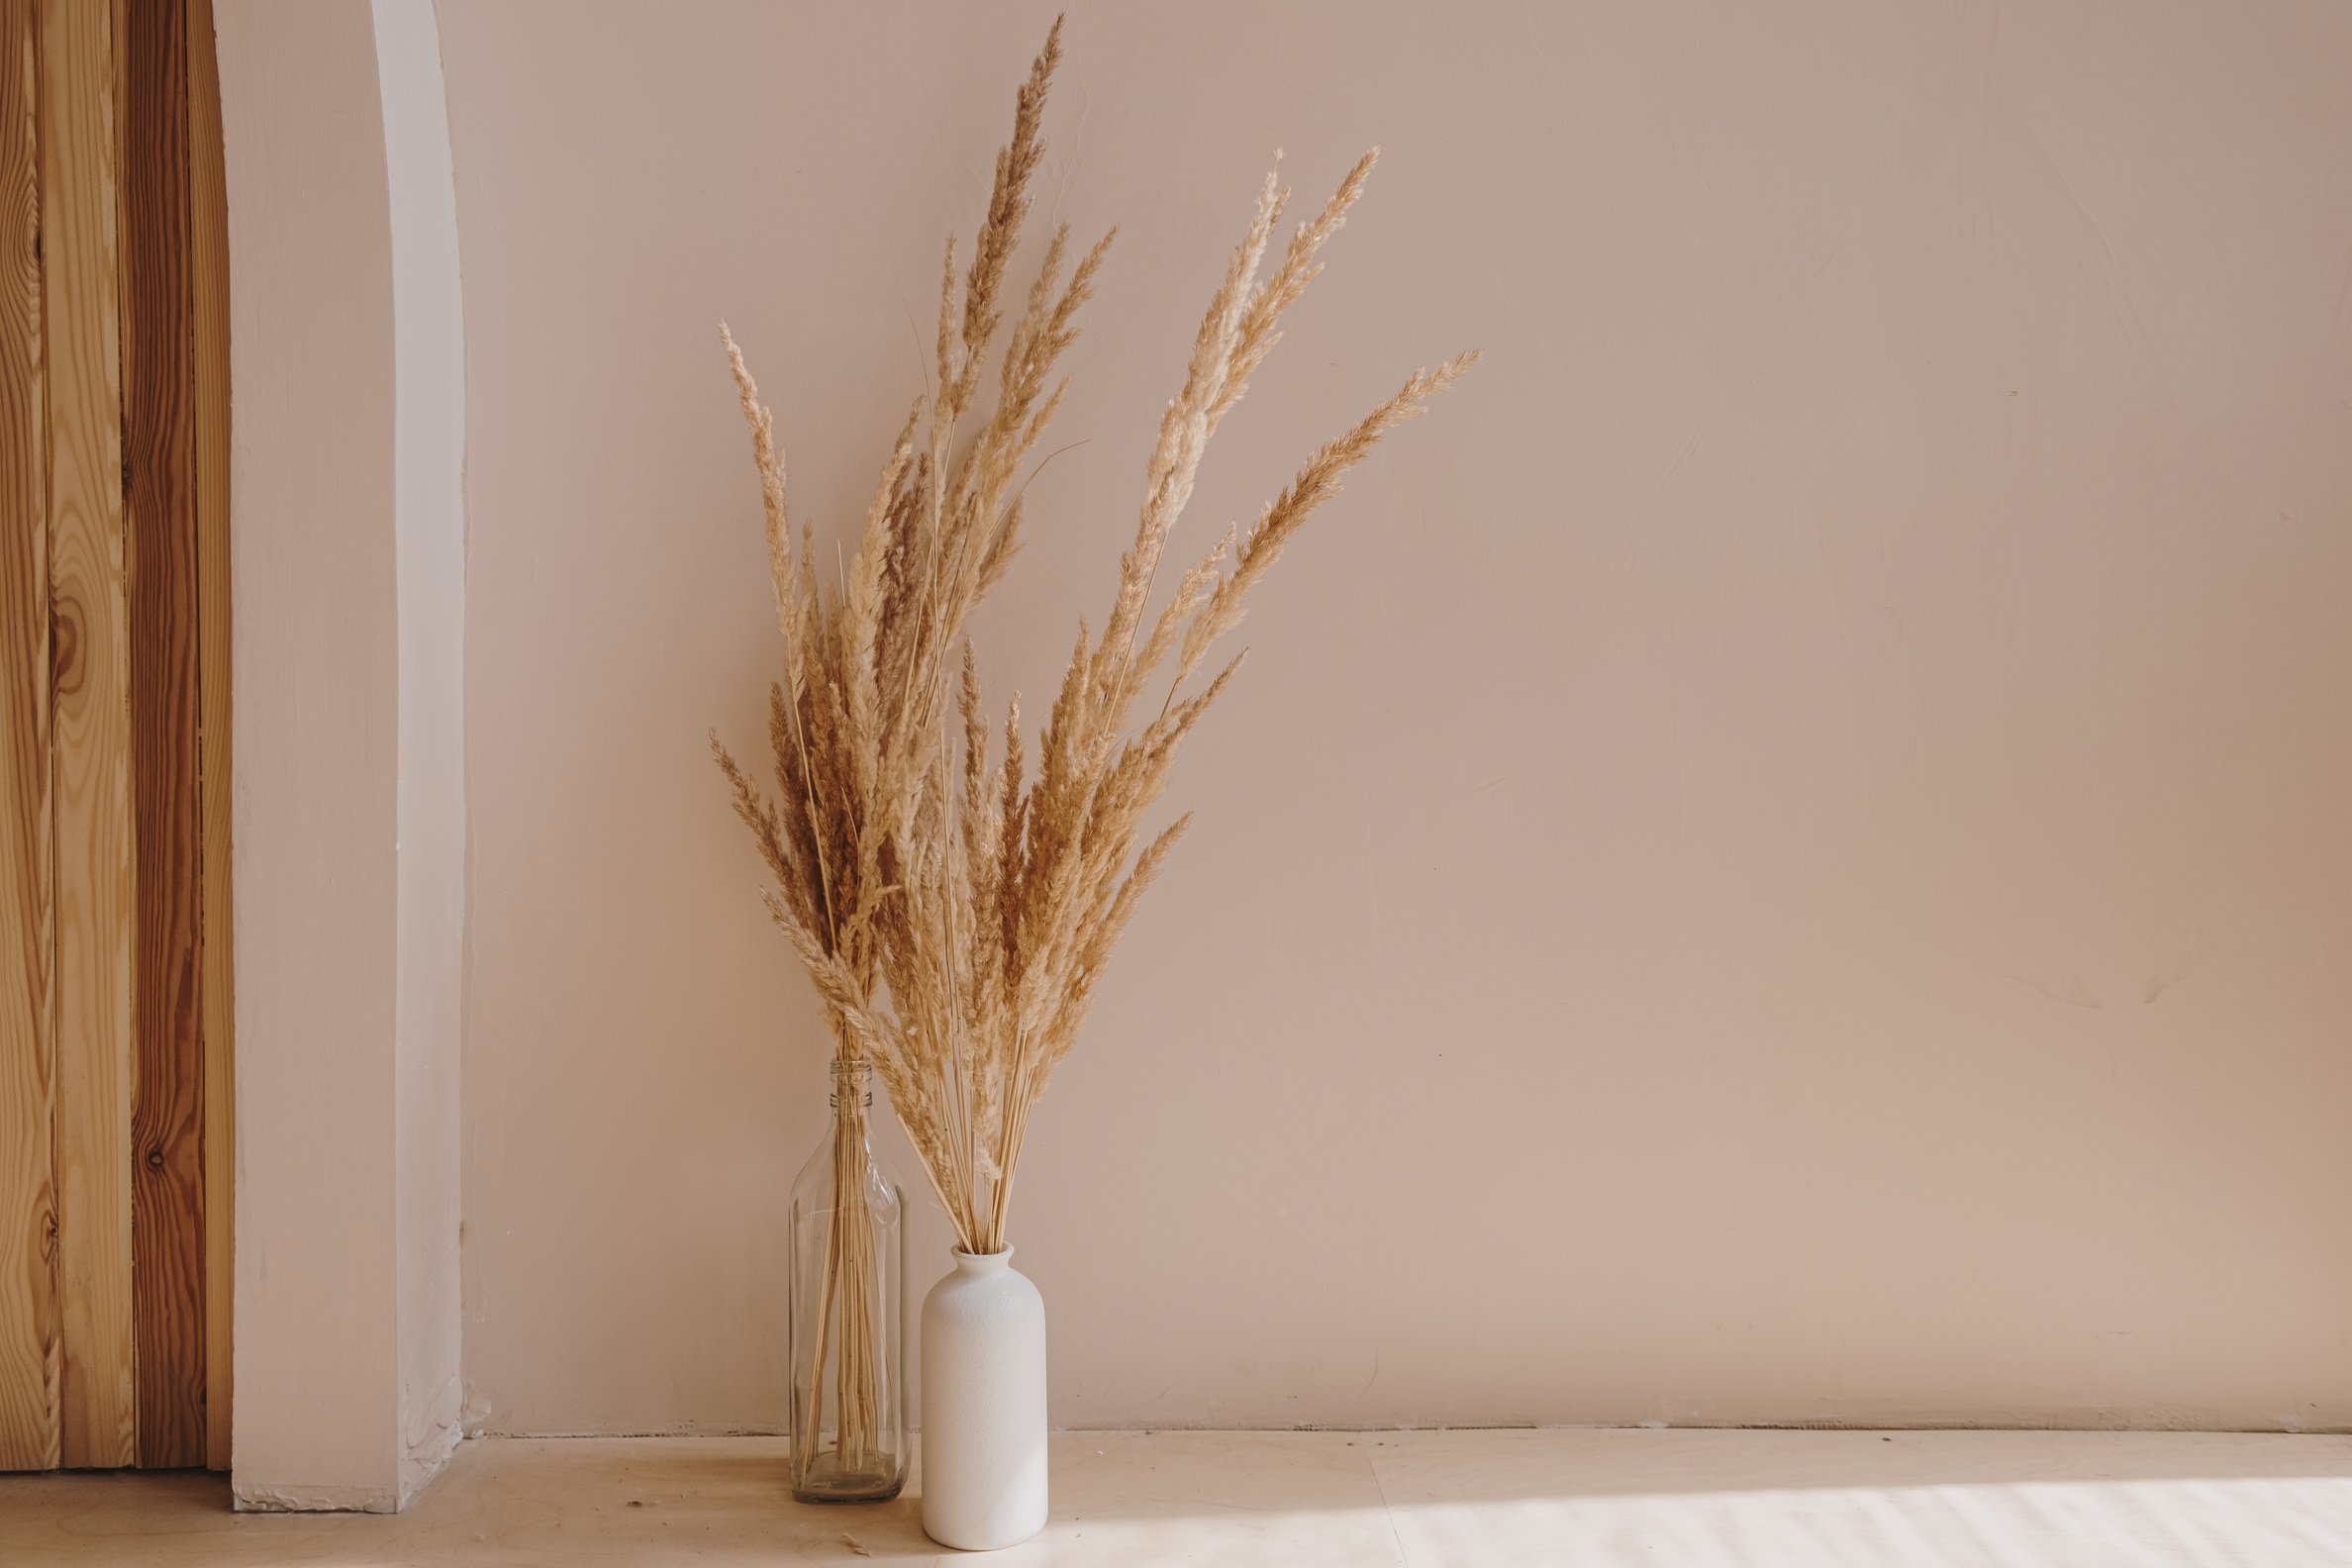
x,y
955,899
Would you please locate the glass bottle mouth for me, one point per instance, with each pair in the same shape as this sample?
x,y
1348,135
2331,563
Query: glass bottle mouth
x,y
856,1077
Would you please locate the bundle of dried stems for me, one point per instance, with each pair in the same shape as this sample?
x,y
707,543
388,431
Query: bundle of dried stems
x,y
954,909
853,727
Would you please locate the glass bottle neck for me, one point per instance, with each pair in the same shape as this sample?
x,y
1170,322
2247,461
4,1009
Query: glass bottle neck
x,y
853,1078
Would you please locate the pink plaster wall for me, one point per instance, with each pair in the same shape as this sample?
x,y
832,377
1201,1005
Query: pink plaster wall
x,y
1784,856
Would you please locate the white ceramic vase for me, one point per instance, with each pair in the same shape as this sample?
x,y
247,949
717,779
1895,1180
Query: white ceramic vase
x,y
983,1406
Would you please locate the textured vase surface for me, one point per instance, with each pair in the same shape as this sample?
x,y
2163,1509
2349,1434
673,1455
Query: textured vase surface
x,y
983,1406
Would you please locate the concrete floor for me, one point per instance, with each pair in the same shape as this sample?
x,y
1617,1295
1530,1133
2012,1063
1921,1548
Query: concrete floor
x,y
1592,1499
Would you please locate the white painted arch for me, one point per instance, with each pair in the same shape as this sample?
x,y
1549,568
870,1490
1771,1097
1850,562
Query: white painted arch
x,y
348,557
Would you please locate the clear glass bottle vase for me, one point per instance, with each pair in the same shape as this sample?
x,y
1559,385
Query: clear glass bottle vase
x,y
846,1333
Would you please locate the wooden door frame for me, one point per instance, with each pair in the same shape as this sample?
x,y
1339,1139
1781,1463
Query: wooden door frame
x,y
287,256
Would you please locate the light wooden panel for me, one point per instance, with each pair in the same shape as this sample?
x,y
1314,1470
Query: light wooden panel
x,y
29,1346
159,436
96,884
114,1133
208,260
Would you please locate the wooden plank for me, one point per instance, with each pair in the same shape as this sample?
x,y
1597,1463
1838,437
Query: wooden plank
x,y
97,886
208,226
29,1348
159,438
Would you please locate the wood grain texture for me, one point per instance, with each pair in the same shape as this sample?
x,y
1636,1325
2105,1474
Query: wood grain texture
x,y
96,881
29,1342
208,262
158,434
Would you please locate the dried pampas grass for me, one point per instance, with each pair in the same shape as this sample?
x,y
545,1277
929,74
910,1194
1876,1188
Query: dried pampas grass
x,y
853,727
955,903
